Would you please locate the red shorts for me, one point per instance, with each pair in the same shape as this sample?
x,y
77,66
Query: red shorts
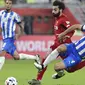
x,y
57,43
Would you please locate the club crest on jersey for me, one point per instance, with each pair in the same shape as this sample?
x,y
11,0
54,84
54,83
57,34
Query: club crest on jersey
x,y
56,27
67,22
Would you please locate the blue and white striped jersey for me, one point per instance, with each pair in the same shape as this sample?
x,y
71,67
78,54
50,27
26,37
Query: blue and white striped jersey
x,y
80,45
8,22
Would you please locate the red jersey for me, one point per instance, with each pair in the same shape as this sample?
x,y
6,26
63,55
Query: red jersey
x,y
61,24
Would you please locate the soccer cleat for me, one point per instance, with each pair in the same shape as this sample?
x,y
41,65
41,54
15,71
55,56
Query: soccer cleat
x,y
38,66
34,82
56,76
38,59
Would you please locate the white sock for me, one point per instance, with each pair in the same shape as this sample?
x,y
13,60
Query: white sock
x,y
2,60
26,56
52,56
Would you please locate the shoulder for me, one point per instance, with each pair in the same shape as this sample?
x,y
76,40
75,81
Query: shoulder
x,y
15,13
64,17
2,11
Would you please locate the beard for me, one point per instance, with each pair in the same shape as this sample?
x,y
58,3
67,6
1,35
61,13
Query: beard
x,y
56,15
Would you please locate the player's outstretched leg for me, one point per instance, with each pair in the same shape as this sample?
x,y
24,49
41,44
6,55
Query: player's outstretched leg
x,y
71,70
34,82
23,56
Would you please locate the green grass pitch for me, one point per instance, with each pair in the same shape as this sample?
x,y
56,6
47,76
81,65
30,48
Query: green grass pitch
x,y
24,70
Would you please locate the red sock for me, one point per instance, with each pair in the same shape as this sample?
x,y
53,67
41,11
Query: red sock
x,y
41,73
77,67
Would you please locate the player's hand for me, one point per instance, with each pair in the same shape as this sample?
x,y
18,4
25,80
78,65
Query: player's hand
x,y
65,38
61,37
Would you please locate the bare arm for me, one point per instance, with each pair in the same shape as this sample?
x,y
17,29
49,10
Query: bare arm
x,y
73,27
20,25
20,31
21,28
0,30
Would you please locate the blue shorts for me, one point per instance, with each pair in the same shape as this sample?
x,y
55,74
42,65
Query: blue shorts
x,y
9,46
72,58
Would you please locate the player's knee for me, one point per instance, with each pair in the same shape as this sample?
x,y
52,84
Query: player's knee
x,y
61,48
16,58
59,66
56,67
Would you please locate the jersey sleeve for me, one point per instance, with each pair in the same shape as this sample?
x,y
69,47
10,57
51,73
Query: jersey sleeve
x,y
83,28
17,19
0,17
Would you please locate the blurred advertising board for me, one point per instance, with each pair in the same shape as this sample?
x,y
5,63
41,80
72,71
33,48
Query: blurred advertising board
x,y
40,20
35,44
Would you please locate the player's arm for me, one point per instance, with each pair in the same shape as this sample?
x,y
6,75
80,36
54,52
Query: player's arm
x,y
20,31
0,30
70,29
20,28
70,34
66,24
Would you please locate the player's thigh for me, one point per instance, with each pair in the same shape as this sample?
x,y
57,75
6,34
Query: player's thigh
x,y
59,66
67,49
62,48
9,47
71,61
12,51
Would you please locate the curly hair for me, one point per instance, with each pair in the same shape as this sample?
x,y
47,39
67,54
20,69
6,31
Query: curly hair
x,y
60,4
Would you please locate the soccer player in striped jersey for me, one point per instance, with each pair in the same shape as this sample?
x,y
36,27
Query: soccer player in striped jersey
x,y
74,52
8,21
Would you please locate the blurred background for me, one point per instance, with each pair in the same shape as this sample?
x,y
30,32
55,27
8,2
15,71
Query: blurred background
x,y
38,22
37,16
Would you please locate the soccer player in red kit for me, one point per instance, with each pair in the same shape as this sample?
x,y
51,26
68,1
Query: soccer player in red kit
x,y
61,24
